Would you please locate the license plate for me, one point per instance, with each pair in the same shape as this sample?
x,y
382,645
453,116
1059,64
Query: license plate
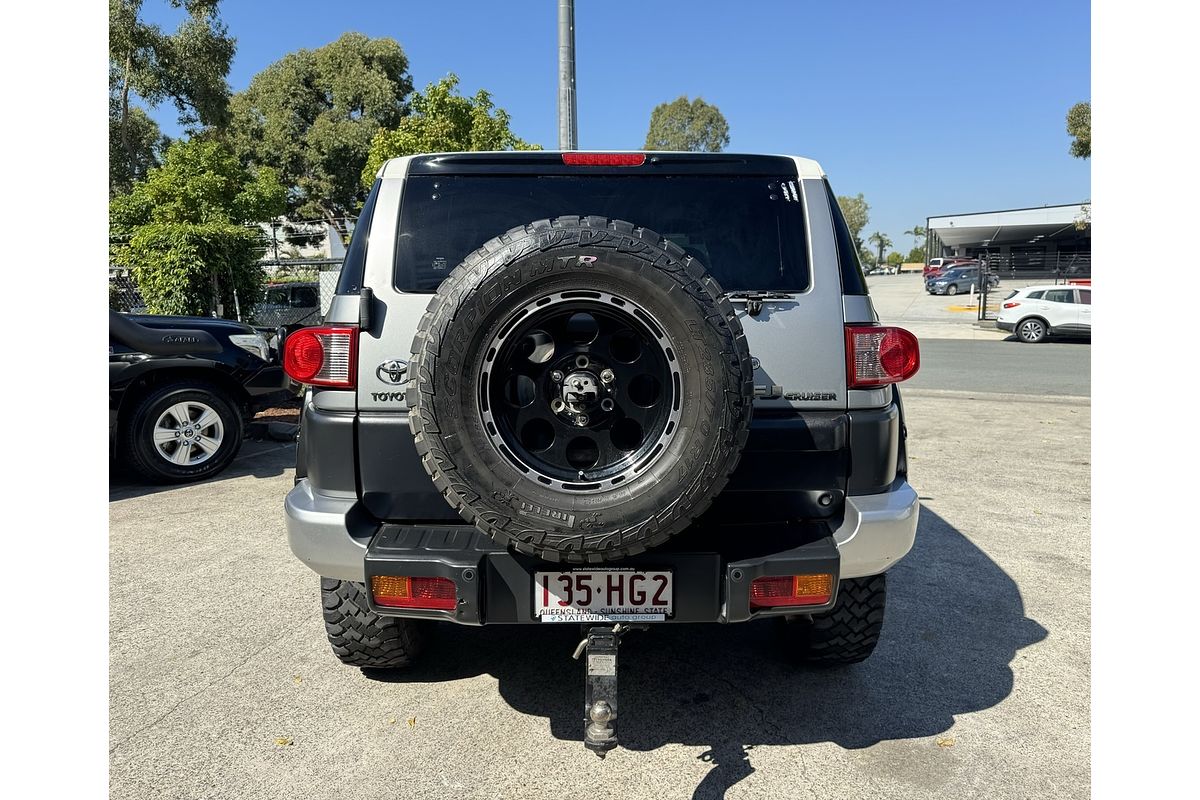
x,y
603,596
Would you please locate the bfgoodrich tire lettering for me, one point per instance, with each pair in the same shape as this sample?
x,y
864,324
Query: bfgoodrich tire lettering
x,y
590,522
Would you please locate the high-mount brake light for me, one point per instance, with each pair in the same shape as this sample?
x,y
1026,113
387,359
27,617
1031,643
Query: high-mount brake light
x,y
604,159
322,356
879,355
791,590
393,591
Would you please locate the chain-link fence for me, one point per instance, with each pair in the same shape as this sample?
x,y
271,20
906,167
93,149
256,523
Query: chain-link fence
x,y
297,292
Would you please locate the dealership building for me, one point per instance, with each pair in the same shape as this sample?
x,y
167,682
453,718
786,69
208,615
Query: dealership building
x,y
1048,239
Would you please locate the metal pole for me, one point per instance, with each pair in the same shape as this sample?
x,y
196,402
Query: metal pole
x,y
568,130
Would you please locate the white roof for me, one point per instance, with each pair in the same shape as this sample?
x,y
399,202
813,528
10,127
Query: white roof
x,y
397,167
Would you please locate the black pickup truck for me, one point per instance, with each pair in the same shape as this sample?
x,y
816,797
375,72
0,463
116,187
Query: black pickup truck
x,y
180,390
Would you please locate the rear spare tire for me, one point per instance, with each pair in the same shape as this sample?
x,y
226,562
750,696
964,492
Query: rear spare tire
x,y
580,389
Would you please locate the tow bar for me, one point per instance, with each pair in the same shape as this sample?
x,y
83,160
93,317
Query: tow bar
x,y
600,684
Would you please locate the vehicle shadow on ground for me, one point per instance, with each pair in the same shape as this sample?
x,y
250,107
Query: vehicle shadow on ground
x,y
259,458
955,621
1012,337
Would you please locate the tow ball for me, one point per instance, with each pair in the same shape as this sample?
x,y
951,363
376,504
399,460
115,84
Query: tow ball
x,y
600,684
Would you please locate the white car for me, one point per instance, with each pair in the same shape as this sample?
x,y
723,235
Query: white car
x,y
1035,312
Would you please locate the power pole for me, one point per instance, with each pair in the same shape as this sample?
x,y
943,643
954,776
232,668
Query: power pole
x,y
568,129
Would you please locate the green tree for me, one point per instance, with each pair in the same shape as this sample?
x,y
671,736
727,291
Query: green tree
x,y
183,233
683,125
894,259
313,114
881,241
129,161
187,67
443,121
1079,126
916,255
918,234
857,213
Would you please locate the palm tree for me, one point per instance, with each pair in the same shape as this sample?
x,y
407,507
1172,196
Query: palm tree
x,y
881,241
917,232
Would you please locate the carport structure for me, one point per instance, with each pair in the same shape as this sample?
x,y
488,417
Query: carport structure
x,y
1045,240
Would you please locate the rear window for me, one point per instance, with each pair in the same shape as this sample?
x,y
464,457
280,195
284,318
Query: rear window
x,y
1036,295
749,231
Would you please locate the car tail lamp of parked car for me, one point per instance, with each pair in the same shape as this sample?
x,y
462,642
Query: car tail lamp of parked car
x,y
322,356
791,590
878,355
391,591
1011,305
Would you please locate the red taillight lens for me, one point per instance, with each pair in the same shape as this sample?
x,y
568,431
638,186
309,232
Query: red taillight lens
x,y
321,356
604,159
791,590
1011,305
877,356
404,592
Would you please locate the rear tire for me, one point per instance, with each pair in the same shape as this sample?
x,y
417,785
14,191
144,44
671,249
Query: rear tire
x,y
360,637
846,634
1032,330
201,415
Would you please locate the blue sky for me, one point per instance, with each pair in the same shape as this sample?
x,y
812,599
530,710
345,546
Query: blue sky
x,y
924,107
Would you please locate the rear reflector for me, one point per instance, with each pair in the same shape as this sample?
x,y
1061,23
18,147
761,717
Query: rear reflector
x,y
321,356
404,592
791,590
877,356
604,159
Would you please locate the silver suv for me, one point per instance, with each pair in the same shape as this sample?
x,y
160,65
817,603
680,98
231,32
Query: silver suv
x,y
613,389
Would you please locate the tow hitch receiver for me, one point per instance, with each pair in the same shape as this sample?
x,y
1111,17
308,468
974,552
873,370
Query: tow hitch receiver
x,y
600,685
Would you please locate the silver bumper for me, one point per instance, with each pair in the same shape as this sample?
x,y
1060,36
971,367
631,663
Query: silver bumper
x,y
876,532
319,533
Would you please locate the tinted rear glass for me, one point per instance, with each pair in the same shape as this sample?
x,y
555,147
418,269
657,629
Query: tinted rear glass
x,y
749,231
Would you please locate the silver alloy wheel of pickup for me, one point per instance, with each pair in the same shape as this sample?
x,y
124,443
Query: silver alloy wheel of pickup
x,y
188,433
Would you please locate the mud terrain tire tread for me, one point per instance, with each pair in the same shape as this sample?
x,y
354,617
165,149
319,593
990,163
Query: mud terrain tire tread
x,y
848,633
360,637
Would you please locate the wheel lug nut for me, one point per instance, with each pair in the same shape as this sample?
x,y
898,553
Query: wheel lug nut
x,y
581,420
607,376
556,376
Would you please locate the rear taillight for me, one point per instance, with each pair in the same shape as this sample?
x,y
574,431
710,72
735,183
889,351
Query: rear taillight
x,y
604,159
877,356
1011,305
404,592
322,356
791,590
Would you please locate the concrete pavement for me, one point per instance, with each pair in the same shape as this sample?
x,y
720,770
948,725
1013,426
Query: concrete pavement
x,y
222,685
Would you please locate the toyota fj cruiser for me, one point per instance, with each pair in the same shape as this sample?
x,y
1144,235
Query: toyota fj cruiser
x,y
614,389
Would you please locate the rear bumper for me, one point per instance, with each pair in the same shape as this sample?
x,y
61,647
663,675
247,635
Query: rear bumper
x,y
337,538
1006,326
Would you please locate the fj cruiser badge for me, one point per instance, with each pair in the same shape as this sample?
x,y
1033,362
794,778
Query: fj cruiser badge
x,y
394,372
